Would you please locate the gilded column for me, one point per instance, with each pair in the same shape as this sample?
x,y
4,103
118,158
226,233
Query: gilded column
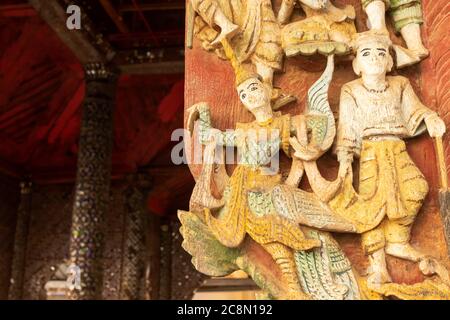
x,y
20,243
93,180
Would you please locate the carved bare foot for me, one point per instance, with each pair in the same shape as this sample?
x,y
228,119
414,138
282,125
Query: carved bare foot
x,y
405,57
413,39
430,266
377,272
421,52
404,251
376,279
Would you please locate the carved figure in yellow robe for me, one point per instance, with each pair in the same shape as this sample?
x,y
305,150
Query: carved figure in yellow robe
x,y
258,143
258,41
376,113
326,28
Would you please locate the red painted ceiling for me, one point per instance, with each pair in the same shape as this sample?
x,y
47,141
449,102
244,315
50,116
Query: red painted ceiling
x,y
41,93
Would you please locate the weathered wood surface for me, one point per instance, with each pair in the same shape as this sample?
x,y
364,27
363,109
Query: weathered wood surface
x,y
211,80
436,76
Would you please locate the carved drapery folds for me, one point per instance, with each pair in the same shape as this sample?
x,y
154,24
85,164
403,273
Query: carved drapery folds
x,y
93,179
20,243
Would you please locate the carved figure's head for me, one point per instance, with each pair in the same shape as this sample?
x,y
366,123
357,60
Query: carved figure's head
x,y
372,54
253,94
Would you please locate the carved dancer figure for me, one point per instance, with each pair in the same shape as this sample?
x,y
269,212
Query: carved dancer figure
x,y
258,41
326,29
376,113
248,203
407,18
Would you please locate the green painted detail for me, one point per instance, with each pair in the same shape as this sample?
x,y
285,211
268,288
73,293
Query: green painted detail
x,y
260,203
324,272
209,256
318,126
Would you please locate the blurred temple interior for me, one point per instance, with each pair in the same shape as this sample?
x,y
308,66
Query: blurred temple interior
x,y
54,166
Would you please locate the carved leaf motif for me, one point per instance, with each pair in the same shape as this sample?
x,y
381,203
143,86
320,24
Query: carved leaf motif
x,y
209,256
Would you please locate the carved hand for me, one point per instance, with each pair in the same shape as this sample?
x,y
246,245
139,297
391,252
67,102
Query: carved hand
x,y
435,125
304,152
194,113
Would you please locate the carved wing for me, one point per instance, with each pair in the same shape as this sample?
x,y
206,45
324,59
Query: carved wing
x,y
318,110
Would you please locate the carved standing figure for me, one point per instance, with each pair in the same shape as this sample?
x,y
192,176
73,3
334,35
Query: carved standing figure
x,y
376,113
253,200
407,18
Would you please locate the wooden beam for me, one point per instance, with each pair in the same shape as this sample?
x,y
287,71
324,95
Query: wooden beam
x,y
77,40
167,67
115,17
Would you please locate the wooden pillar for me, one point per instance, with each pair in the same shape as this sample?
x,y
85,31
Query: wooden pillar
x,y
20,242
133,257
93,179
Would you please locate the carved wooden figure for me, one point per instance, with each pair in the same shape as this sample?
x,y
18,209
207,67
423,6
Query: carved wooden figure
x,y
376,113
254,201
264,223
326,29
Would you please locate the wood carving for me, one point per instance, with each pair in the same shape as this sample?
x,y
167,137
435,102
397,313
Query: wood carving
x,y
263,222
326,29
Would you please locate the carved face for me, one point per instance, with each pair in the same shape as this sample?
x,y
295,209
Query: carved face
x,y
253,94
373,59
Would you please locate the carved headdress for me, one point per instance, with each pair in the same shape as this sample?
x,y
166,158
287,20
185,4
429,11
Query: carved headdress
x,y
362,38
241,73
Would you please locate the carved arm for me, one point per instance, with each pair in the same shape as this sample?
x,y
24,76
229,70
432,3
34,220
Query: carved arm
x,y
201,112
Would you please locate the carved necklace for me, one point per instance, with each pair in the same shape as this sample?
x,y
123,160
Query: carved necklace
x,y
386,86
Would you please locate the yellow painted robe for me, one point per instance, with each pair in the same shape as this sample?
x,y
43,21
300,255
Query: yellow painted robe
x,y
390,184
235,219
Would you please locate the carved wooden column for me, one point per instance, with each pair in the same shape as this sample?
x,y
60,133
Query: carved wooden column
x,y
93,179
133,262
20,242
